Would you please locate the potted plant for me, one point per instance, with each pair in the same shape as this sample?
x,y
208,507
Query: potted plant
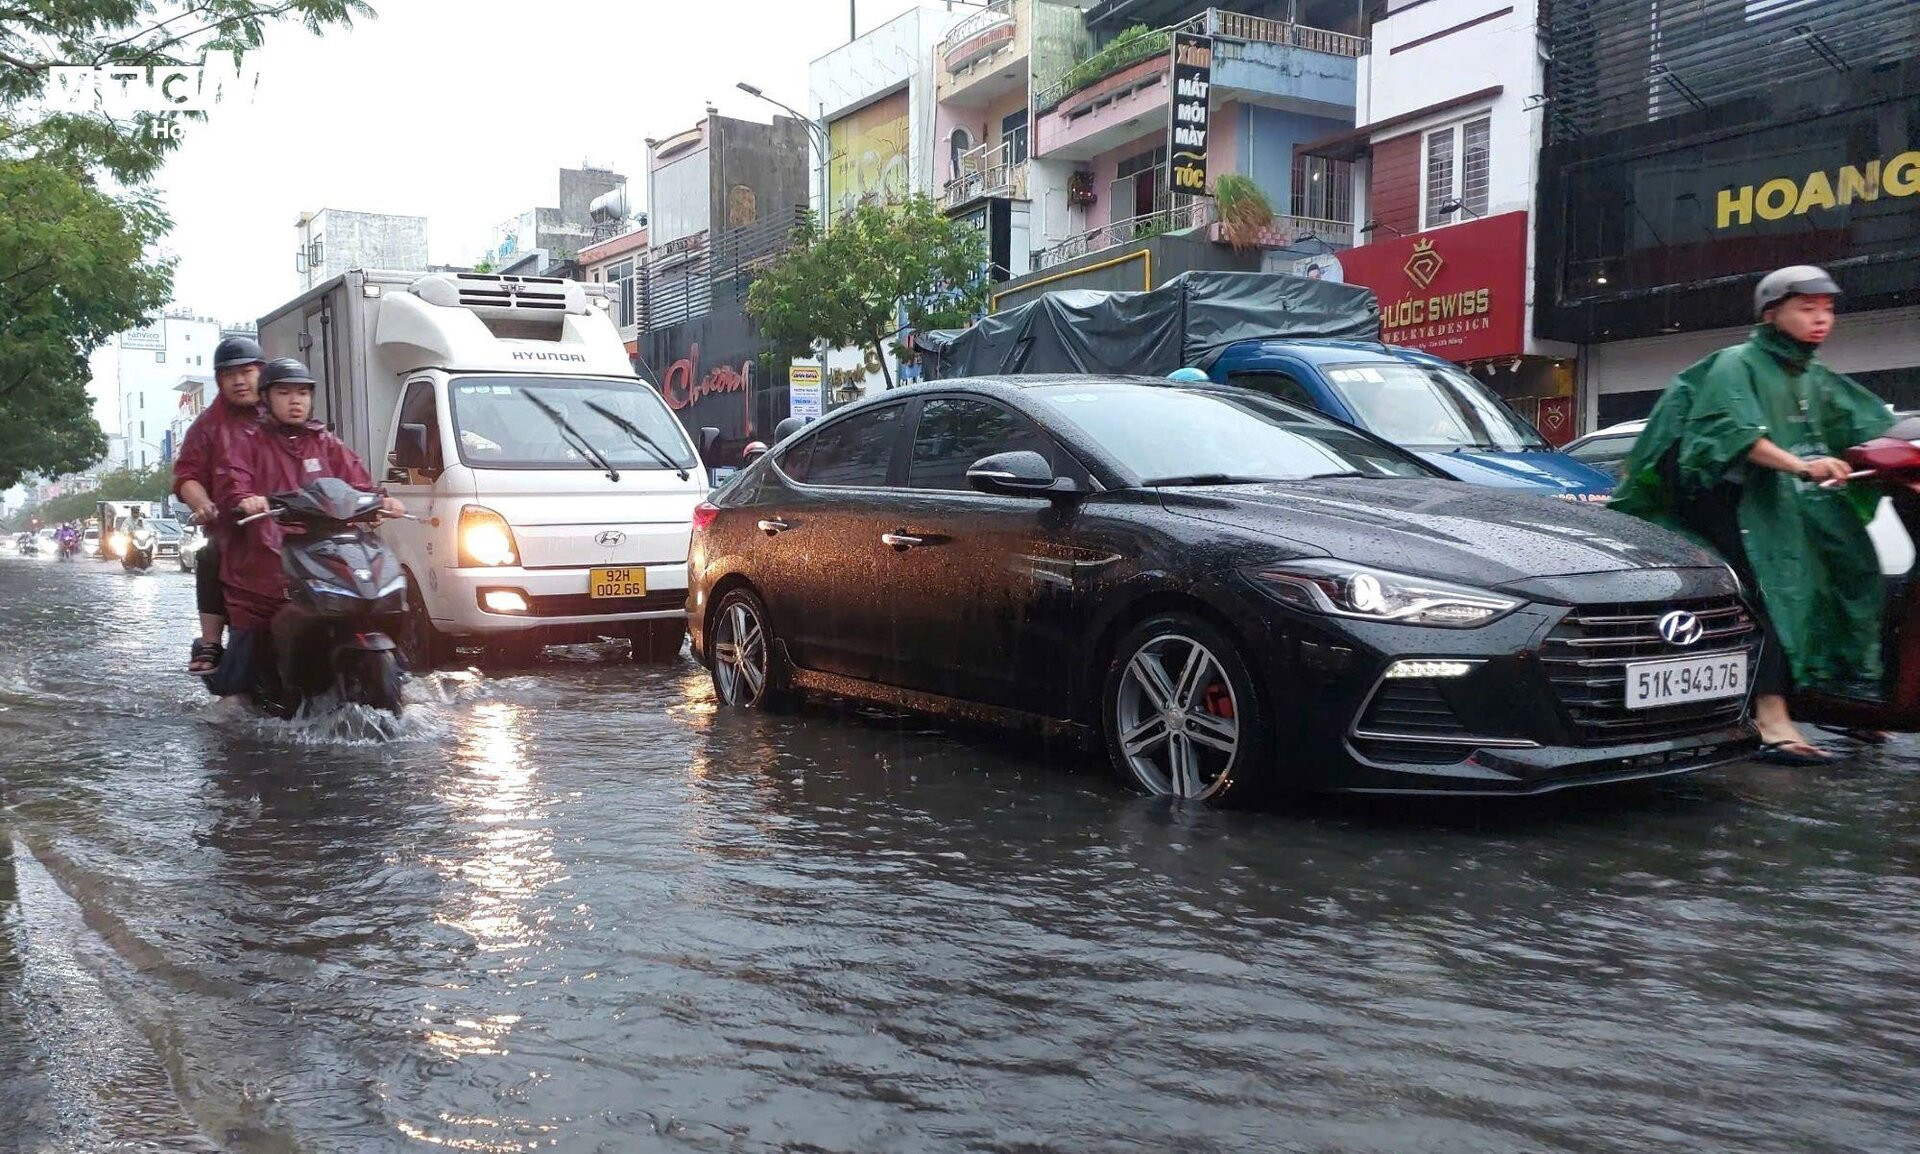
x,y
1245,212
1080,192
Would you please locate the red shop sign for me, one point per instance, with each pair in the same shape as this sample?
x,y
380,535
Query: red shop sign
x,y
1457,292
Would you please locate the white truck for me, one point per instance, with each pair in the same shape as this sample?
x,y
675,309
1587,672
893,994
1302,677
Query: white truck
x,y
554,489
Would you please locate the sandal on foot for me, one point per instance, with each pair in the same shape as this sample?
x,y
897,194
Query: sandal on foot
x,y
206,658
1796,753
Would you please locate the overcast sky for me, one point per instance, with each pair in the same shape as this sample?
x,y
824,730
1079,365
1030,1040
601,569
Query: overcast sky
x,y
463,111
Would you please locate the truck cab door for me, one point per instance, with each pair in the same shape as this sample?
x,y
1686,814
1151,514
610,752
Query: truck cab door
x,y
415,460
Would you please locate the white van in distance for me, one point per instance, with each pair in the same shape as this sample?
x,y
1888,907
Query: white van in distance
x,y
554,488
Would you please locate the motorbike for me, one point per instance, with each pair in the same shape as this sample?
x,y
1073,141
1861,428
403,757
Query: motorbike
x,y
68,548
350,587
1890,464
137,557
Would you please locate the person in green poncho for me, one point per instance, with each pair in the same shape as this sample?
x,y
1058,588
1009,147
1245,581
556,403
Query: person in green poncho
x,y
1734,455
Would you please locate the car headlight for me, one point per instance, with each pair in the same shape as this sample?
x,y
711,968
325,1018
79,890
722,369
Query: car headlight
x,y
485,538
1343,589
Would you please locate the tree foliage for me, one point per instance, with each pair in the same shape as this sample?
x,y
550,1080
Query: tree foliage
x,y
72,273
852,286
152,484
76,227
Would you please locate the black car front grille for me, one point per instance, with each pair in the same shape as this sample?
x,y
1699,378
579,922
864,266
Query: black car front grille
x,y
1587,654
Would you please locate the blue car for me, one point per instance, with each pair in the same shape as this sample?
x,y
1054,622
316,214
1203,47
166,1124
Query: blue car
x,y
1417,401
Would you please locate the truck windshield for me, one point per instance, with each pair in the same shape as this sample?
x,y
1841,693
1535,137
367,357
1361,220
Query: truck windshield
x,y
1428,408
500,426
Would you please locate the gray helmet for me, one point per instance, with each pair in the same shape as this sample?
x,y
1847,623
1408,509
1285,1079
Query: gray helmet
x,y
1793,281
284,371
238,351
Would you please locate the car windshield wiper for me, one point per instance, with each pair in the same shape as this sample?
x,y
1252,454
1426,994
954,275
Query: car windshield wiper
x,y
1205,479
572,434
1341,473
638,435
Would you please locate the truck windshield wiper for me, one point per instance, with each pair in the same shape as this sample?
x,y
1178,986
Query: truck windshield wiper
x,y
572,434
638,435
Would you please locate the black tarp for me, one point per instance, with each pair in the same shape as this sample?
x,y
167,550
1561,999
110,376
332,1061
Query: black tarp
x,y
1189,320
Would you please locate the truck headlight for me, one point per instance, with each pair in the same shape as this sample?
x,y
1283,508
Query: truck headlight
x,y
485,538
1343,589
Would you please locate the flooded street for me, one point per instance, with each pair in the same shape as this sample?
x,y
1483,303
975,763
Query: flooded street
x,y
574,907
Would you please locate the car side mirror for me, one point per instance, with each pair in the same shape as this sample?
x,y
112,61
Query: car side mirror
x,y
709,441
1024,473
410,447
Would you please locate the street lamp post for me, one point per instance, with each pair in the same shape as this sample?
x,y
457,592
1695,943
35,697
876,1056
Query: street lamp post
x,y
815,129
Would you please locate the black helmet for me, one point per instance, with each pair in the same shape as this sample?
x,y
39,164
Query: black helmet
x,y
787,428
1794,281
285,371
237,351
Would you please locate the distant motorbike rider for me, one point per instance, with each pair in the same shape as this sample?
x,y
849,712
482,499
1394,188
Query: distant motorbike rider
x,y
1734,454
237,362
283,451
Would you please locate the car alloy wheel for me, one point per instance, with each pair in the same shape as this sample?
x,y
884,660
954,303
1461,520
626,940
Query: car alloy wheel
x,y
744,673
1182,716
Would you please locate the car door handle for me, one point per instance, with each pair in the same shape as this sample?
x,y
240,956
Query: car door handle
x,y
774,527
901,541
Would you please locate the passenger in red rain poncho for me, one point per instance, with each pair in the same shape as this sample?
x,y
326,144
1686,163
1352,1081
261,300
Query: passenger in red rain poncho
x,y
285,450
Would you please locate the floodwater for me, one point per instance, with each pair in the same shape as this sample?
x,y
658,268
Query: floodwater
x,y
577,908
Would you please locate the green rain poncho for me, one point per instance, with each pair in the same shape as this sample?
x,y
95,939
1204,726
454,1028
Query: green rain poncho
x,y
1806,548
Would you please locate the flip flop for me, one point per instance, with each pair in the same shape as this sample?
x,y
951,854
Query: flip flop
x,y
1785,753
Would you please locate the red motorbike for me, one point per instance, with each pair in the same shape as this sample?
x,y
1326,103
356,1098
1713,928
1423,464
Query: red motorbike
x,y
1890,464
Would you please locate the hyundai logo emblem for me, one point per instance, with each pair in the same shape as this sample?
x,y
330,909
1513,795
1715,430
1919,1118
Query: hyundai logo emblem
x,y
609,538
1681,628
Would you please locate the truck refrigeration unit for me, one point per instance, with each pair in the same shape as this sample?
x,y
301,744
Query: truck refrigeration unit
x,y
554,489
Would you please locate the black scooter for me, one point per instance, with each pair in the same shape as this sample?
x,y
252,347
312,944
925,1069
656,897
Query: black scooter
x,y
138,557
351,588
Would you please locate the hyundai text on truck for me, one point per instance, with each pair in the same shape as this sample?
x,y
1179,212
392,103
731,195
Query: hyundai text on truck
x,y
553,488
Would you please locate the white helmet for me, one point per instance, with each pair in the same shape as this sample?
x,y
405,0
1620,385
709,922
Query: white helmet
x,y
1793,281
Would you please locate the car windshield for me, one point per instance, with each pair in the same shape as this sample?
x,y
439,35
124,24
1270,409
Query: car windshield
x,y
167,530
1603,448
1218,435
1429,407
501,425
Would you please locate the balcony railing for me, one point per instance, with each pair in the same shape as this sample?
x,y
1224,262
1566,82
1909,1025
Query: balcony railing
x,y
988,170
1212,22
1185,212
998,12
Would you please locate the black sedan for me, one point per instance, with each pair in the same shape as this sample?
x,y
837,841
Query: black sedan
x,y
1234,594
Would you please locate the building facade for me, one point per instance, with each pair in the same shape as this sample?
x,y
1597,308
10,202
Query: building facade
x,y
331,241
1693,147
1445,161
724,197
1059,130
547,241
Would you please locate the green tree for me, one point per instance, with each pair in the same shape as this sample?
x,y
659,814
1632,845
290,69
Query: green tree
x,y
851,286
76,224
119,485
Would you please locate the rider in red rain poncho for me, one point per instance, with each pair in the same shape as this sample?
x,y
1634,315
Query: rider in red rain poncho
x,y
284,451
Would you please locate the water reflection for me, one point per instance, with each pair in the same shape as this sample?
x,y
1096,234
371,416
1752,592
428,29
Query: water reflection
x,y
600,914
